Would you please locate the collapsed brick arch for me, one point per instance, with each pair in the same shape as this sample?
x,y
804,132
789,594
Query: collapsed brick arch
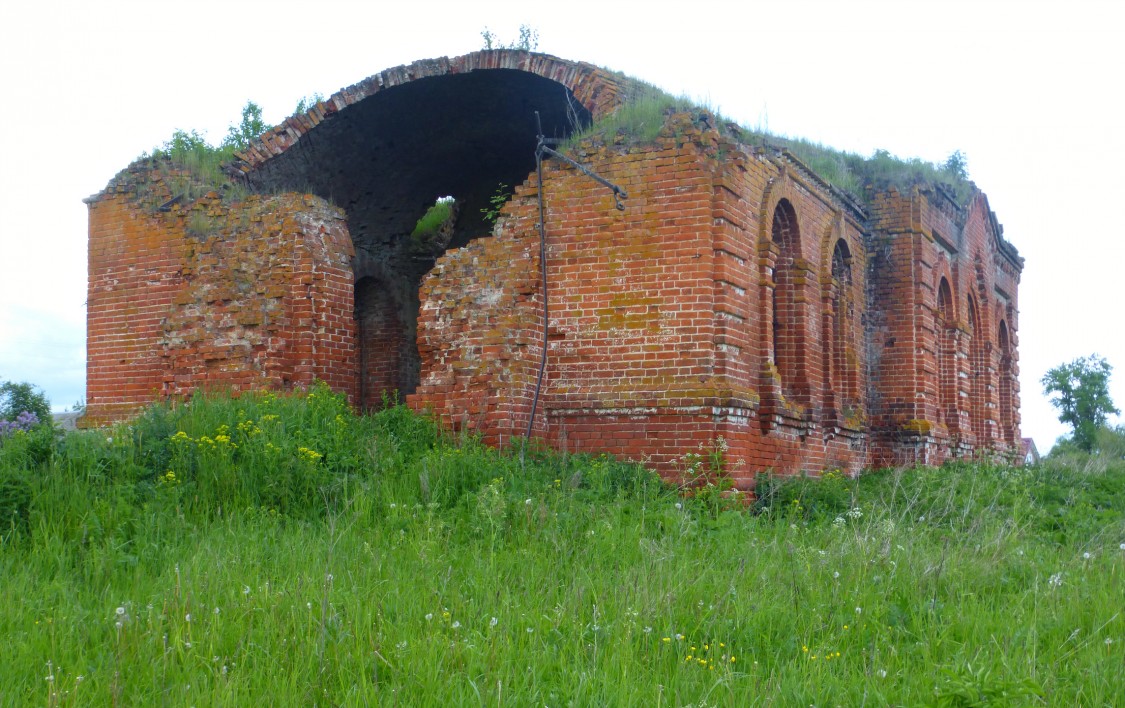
x,y
387,147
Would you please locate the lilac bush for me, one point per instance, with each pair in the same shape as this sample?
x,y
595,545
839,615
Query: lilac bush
x,y
25,421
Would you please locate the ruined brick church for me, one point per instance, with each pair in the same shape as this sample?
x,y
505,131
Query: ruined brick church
x,y
739,295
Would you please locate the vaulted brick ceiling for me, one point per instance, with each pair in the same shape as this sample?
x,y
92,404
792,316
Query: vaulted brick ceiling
x,y
386,158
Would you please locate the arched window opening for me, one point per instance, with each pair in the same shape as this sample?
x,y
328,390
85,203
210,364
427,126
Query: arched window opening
x,y
842,357
978,373
1007,409
945,331
789,318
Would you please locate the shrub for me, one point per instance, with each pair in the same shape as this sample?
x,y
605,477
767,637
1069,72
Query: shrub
x,y
19,398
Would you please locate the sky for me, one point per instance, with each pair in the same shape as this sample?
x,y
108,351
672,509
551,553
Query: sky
x,y
1031,92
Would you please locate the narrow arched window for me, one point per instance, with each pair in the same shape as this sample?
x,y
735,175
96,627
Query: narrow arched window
x,y
1007,408
789,317
945,349
843,357
978,373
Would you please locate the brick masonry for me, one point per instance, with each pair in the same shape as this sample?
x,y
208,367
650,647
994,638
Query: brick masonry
x,y
738,297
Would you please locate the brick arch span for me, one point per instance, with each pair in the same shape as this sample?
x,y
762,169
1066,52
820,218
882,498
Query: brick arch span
x,y
387,148
597,90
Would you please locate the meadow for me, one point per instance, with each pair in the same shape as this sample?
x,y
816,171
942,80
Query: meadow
x,y
281,550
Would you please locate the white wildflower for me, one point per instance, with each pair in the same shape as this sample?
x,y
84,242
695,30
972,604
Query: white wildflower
x,y
456,624
1086,555
881,673
429,616
493,622
1055,580
120,611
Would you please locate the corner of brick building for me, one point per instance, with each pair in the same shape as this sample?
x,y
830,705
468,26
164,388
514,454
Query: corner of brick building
x,y
210,294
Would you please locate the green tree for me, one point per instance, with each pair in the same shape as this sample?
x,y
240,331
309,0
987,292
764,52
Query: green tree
x,y
1080,392
15,398
250,127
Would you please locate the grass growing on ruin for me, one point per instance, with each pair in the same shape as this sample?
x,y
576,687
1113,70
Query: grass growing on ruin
x,y
645,107
281,550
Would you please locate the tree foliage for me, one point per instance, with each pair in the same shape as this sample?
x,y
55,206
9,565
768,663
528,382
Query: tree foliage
x,y
1080,392
249,127
17,398
528,40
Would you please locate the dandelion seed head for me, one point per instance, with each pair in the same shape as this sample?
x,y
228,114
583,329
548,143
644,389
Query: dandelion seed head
x,y
1086,555
456,624
120,611
429,616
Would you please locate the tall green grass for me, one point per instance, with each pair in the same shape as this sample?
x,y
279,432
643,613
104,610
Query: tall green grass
x,y
282,550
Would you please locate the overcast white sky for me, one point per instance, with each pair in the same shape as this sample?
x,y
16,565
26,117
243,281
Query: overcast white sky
x,y
1030,91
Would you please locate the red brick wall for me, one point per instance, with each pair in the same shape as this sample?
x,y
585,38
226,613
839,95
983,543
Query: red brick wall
x,y
920,239
738,301
136,263
213,295
662,327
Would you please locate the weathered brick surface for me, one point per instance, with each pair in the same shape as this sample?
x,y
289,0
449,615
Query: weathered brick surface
x,y
738,297
212,295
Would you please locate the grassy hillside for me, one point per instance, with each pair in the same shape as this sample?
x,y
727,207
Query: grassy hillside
x,y
280,550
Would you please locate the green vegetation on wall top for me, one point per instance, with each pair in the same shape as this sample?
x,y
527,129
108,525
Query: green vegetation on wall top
x,y
641,117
